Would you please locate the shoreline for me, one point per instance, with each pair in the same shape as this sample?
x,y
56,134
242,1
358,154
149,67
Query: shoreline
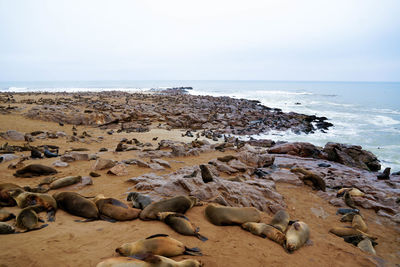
x,y
244,183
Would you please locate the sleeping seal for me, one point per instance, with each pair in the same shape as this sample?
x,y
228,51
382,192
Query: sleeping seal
x,y
178,204
265,230
6,199
162,245
222,215
34,170
280,220
5,229
139,201
181,224
147,260
296,236
28,219
115,209
76,204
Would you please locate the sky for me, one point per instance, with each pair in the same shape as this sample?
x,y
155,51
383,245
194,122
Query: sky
x,y
308,40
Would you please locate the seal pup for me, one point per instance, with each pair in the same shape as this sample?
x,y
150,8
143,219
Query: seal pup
x,y
147,260
6,199
345,211
308,176
160,244
139,201
181,224
5,229
206,174
76,204
28,219
349,200
354,192
281,220
66,181
349,231
115,209
6,215
178,204
296,236
348,217
34,170
222,215
48,154
265,230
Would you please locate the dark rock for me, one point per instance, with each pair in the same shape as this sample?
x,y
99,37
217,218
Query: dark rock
x,y
94,174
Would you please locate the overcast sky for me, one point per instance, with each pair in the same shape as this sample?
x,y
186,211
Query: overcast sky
x,y
340,40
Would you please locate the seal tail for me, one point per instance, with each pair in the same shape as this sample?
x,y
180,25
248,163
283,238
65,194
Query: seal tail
x,y
201,237
193,251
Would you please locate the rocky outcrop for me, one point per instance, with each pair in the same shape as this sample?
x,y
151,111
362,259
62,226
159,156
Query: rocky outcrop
x,y
300,149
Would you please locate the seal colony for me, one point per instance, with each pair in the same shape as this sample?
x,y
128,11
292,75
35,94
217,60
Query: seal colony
x,y
114,161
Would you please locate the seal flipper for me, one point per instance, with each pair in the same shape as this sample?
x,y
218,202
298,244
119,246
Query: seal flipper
x,y
106,218
34,229
179,215
192,251
117,203
157,235
147,257
201,237
87,220
51,216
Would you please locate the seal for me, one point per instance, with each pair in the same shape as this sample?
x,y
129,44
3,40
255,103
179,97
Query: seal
x,y
349,231
349,200
345,211
178,204
139,201
348,217
147,260
181,224
6,216
6,199
28,219
359,224
222,215
76,204
160,244
280,220
34,170
366,246
355,239
296,236
5,229
115,209
265,230
354,192
317,182
66,181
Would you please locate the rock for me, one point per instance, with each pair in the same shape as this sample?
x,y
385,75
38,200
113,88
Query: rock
x,y
74,156
238,165
119,170
296,149
156,167
103,149
13,135
206,174
258,160
162,162
142,163
319,212
385,175
226,158
60,164
222,167
102,164
8,157
353,156
86,180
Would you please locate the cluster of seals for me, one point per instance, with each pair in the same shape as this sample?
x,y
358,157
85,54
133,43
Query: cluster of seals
x,y
147,260
222,215
355,234
159,244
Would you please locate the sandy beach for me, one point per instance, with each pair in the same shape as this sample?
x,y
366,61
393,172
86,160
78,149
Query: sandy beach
x,y
69,243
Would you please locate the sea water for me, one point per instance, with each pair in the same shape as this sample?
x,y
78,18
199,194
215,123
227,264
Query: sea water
x,y
363,113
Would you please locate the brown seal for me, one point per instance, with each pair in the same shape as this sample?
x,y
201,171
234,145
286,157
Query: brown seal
x,y
349,231
115,209
28,219
359,224
5,197
76,204
308,176
296,236
265,230
222,215
66,181
181,224
6,215
5,228
349,200
281,220
366,246
162,245
34,170
147,260
178,204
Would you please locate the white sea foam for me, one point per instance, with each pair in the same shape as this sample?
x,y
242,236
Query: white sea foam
x,y
384,121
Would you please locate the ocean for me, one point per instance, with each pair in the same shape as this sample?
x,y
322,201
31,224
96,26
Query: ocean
x,y
363,113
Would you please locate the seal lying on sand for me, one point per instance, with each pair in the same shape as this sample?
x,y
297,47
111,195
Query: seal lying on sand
x,y
221,215
147,260
178,204
139,201
66,181
6,215
76,204
115,209
6,199
296,236
28,219
280,220
5,229
181,224
34,170
157,244
265,230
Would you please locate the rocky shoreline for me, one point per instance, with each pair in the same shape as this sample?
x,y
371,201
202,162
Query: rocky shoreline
x,y
169,143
